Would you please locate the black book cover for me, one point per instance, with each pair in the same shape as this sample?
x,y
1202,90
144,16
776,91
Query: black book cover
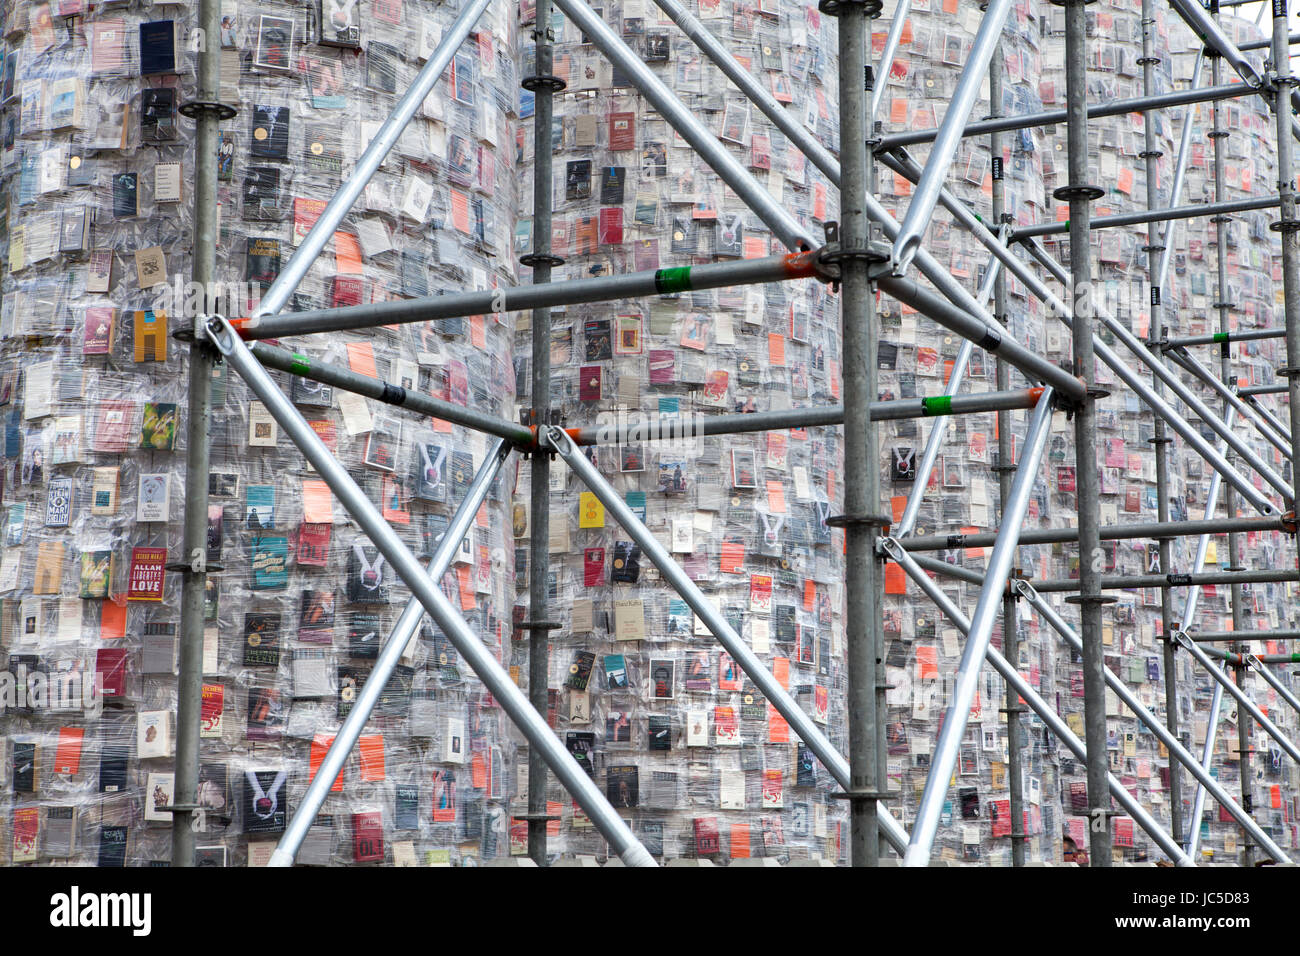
x,y
415,278
381,67
580,670
364,635
24,767
262,192
265,801
407,814
599,344
970,803
462,473
661,730
323,151
805,771
611,185
112,847
627,567
577,179
158,115
430,468
112,768
261,640
367,575
395,698
351,680
263,260
581,744
621,786
270,132
158,47
126,195
434,527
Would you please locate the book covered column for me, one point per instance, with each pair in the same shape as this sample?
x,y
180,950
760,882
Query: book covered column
x,y
98,171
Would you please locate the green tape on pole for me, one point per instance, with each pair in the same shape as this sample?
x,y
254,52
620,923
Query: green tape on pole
x,y
1220,336
937,405
668,281
300,365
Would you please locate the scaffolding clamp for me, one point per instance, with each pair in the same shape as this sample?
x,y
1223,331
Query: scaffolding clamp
x,y
1288,521
826,261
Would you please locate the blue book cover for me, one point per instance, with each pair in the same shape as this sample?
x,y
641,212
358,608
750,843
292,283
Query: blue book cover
x,y
270,562
158,47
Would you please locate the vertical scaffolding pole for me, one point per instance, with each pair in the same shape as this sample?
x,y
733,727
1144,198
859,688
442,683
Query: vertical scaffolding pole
x,y
1288,222
1243,745
861,457
1161,440
1005,468
1079,193
189,683
544,87
1218,134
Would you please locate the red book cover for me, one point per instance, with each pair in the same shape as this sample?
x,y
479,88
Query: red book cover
x,y
368,836
313,545
110,667
146,580
347,291
622,131
589,383
67,758
593,567
611,226
706,836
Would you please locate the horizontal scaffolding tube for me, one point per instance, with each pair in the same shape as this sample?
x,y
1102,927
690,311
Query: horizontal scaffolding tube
x,y
317,371
632,285
678,428
1036,703
1278,658
1156,726
1242,697
1220,338
1124,582
1191,211
1255,44
1154,530
1004,124
745,658
1261,390
986,336
405,565
1226,637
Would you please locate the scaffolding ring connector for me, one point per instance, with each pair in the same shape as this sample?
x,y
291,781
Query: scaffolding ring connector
x,y
1285,225
544,83
535,259
833,8
859,795
195,109
860,521
1218,134
1090,599
1078,191
539,626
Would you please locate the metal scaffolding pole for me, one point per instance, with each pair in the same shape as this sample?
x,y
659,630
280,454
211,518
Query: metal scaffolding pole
x,y
861,523
1183,358
740,651
676,428
906,167
1036,703
1005,468
1278,658
295,270
336,375
1189,96
1211,637
207,115
1127,582
544,87
921,208
1154,215
1219,338
1207,756
631,285
1254,402
478,657
1263,390
1160,439
1178,754
1288,223
1241,696
980,631
1218,134
934,442
1080,194
390,655
1271,679
1126,532
784,226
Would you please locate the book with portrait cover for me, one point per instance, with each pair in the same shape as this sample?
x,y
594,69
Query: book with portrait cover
x,y
621,785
